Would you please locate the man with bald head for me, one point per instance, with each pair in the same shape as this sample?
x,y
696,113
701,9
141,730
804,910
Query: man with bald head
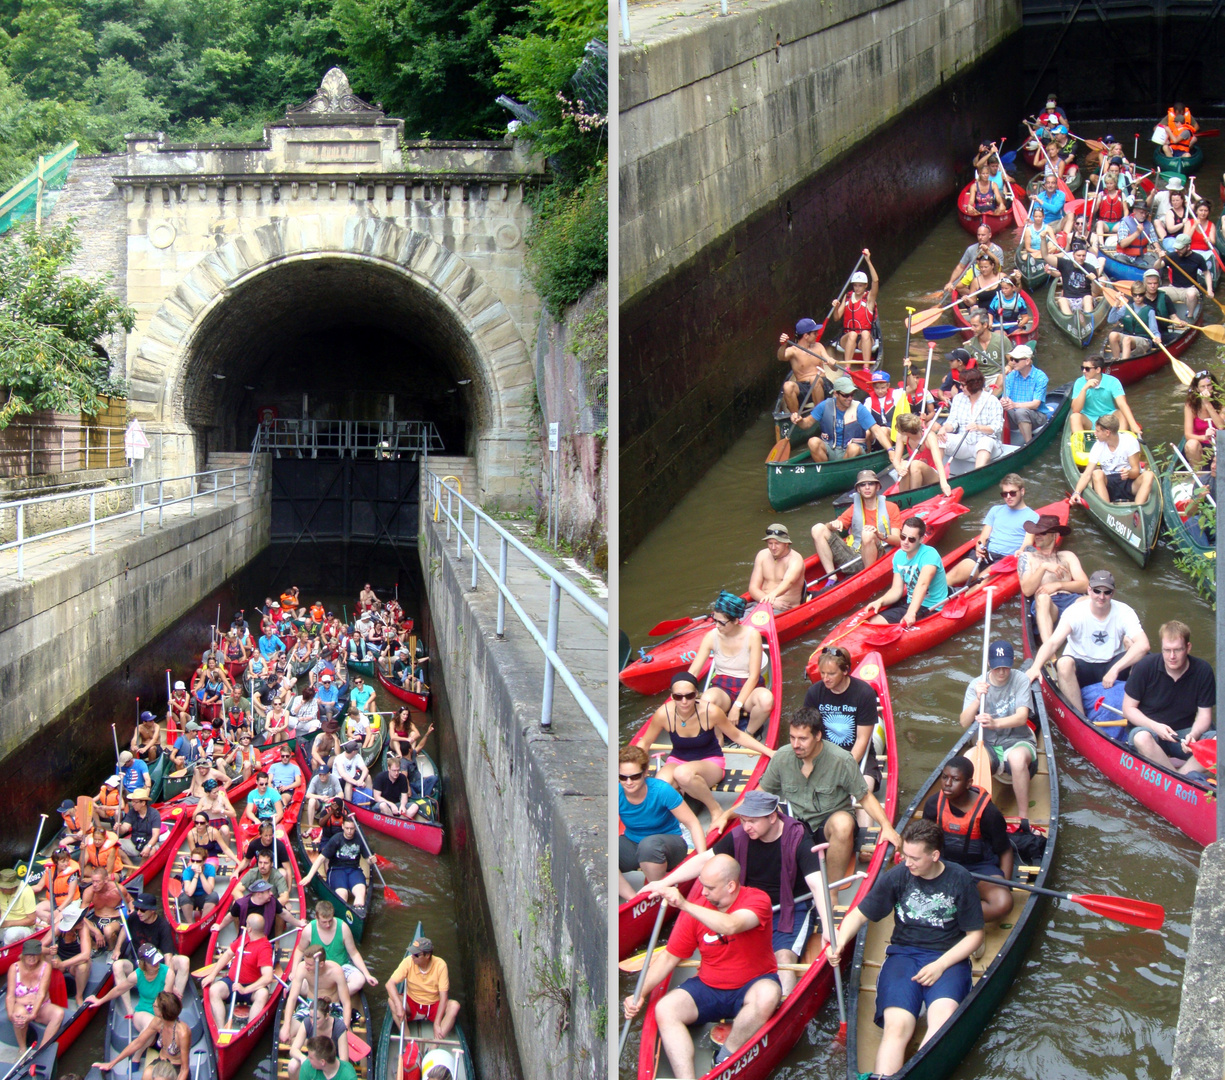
x,y
249,976
731,929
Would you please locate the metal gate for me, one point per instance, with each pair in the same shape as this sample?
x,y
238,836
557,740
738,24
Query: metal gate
x,y
326,499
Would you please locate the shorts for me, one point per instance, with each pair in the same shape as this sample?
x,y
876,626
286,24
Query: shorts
x,y
966,449
721,761
871,767
841,551
818,833
346,877
988,868
417,1011
1167,747
713,1004
796,938
729,684
1118,487
103,921
243,999
1061,600
1000,762
1089,672
1035,417
894,614
895,988
835,453
668,848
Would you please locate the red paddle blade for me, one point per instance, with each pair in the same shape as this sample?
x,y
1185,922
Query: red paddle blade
x,y
667,626
1140,913
389,894
879,636
1019,217
381,861
955,608
1204,751
1006,565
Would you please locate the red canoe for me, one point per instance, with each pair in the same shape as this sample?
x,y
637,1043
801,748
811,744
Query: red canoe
x,y
860,637
1137,367
1186,804
652,673
997,223
420,702
1018,337
188,937
637,917
765,1051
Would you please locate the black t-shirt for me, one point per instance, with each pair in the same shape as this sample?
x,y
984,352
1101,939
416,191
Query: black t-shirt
x,y
340,852
143,829
1075,278
992,826
1168,702
243,908
842,714
389,789
765,868
932,914
158,933
256,846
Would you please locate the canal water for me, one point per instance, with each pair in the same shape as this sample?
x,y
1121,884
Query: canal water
x,y
1095,999
443,892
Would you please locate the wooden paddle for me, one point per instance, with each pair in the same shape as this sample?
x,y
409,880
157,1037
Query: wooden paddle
x,y
925,319
1122,909
980,755
1213,331
1182,372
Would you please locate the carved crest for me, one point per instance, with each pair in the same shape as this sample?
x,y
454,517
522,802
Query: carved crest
x,y
334,96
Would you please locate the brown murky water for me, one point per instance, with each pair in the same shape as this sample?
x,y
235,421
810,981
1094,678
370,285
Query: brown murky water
x,y
1095,999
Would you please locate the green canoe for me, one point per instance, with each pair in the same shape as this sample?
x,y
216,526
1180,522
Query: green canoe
x,y
1133,526
1184,165
963,474
1080,325
800,480
1190,544
362,667
1033,272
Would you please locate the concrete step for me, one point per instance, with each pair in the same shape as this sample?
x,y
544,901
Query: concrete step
x,y
463,467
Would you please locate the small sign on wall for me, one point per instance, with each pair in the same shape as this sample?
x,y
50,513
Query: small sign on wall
x,y
554,434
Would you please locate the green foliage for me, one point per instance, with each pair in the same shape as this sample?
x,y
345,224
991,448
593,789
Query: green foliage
x,y
48,54
49,322
568,242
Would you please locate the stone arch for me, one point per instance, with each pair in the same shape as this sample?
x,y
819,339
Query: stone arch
x,y
489,351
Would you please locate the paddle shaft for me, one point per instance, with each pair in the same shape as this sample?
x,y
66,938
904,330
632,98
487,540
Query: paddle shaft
x,y
242,944
928,317
1059,180
1194,476
1099,904
642,975
29,867
827,916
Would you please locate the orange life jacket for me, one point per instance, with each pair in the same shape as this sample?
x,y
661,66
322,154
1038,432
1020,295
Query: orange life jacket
x,y
1180,130
288,600
963,835
108,801
105,857
65,883
317,612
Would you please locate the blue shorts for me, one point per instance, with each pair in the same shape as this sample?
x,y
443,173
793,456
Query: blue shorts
x,y
345,877
1061,600
797,937
241,999
989,869
714,1005
896,988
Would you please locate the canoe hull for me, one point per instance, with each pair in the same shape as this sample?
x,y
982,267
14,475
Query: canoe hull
x,y
1186,164
997,223
1080,331
420,702
801,480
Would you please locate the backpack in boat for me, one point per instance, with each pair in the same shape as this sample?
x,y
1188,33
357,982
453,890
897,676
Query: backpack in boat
x,y
1030,845
427,809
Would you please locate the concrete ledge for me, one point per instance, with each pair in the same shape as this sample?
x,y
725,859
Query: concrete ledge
x,y
1199,1046
538,803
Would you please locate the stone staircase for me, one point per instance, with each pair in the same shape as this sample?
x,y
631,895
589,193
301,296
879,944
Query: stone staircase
x,y
463,467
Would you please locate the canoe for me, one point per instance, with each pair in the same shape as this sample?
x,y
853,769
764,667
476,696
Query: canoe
x,y
1196,554
364,668
743,772
235,790
859,637
425,835
248,830
277,1067
420,702
1033,271
652,671
766,1050
1127,268
1014,458
1072,177
188,937
1134,527
1018,337
799,480
1189,805
1006,941
202,1060
393,1042
234,1045
1080,325
861,373
1176,342
1186,164
997,223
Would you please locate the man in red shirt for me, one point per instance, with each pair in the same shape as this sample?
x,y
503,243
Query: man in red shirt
x,y
731,927
248,978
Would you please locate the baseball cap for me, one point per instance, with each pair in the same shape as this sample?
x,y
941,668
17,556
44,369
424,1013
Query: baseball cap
x,y
1000,653
125,757
149,953
323,770
859,278
180,685
1150,272
880,376
805,326
145,902
67,805
778,531
1022,351
261,886
843,385
962,355
1102,578
111,781
192,726
146,716
421,946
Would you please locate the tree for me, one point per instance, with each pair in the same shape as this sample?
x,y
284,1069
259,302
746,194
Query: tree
x,y
48,54
50,322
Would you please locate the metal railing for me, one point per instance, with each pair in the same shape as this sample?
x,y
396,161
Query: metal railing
x,y
385,439
40,449
451,506
197,489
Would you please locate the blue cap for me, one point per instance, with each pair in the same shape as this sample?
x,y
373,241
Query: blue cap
x,y
1000,654
805,326
880,376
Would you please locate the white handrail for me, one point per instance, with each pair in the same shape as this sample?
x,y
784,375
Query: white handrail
x,y
450,505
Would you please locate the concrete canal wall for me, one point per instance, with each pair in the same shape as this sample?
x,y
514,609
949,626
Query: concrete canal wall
x,y
77,617
538,811
1199,1047
759,153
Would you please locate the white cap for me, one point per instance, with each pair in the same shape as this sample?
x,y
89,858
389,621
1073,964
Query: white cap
x,y
859,278
180,685
1022,351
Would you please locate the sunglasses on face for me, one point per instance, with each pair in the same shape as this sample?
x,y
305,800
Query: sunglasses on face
x,y
685,697
1102,592
627,778
1010,494
909,539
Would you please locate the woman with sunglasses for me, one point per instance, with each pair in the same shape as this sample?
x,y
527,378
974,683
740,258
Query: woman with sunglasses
x,y
206,834
1201,419
734,651
986,282
652,814
696,729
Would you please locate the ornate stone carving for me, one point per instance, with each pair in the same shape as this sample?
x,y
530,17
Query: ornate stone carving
x,y
334,96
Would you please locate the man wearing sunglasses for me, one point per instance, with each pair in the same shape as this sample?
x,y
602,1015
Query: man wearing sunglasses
x,y
1096,394
652,812
919,587
966,262
1003,532
1104,638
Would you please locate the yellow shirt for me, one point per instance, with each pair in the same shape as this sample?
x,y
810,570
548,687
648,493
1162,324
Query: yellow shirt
x,y
25,906
424,987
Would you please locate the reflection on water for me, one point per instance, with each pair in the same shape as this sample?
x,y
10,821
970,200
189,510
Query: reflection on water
x,y
444,892
1094,998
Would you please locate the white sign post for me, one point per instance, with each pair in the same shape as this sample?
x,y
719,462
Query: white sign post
x,y
554,502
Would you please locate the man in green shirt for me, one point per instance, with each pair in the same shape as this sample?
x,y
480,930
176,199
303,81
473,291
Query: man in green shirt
x,y
264,871
322,1063
819,780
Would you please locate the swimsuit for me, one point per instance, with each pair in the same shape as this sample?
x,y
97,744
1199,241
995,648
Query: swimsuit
x,y
701,747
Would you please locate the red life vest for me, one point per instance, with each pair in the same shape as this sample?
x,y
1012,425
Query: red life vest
x,y
857,315
1111,207
963,835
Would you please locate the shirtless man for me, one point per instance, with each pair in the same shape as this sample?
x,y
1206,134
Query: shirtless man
x,y
104,896
778,571
806,368
147,738
1051,580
